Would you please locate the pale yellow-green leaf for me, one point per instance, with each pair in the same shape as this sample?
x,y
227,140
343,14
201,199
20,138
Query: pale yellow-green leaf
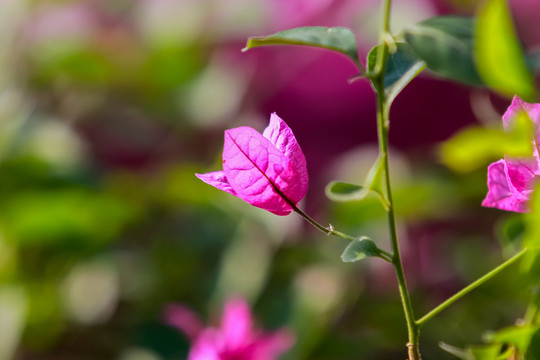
x,y
499,56
475,146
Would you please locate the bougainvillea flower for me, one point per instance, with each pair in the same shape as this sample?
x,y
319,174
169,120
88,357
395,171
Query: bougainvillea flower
x,y
268,170
512,181
235,339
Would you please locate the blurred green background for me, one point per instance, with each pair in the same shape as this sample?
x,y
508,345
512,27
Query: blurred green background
x,y
109,107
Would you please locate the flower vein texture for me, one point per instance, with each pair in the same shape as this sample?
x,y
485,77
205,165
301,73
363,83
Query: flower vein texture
x,y
266,170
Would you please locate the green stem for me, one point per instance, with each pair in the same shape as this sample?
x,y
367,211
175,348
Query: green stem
x,y
331,231
327,230
386,17
412,328
383,129
469,288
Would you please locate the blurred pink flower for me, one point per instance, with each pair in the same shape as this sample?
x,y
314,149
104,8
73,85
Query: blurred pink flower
x,y
512,181
268,170
236,339
52,23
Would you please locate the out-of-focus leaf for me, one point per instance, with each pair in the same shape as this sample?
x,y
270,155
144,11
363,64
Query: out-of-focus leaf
x,y
76,63
457,352
445,43
161,70
44,311
533,351
338,39
499,56
64,216
178,185
510,232
475,146
359,249
401,67
519,336
486,352
512,229
479,352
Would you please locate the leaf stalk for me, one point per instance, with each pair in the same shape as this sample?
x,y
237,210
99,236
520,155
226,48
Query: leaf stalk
x,y
420,322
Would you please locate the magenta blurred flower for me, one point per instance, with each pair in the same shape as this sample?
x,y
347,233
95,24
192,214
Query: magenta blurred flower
x,y
236,339
268,170
512,181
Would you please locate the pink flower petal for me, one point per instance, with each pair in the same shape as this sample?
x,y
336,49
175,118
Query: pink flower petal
x,y
266,170
255,168
207,346
269,347
217,179
236,338
532,110
236,324
511,181
502,194
521,174
184,320
517,106
281,135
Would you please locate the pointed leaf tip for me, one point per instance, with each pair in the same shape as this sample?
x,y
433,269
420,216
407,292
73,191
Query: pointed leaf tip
x,y
338,39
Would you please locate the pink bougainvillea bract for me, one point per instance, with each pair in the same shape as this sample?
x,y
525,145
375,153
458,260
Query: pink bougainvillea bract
x,y
267,170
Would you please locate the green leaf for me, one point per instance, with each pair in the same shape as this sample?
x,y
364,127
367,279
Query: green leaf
x,y
342,191
463,354
401,67
533,351
374,181
338,39
67,216
360,249
530,265
485,352
500,59
479,352
77,63
510,231
475,146
519,336
445,43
